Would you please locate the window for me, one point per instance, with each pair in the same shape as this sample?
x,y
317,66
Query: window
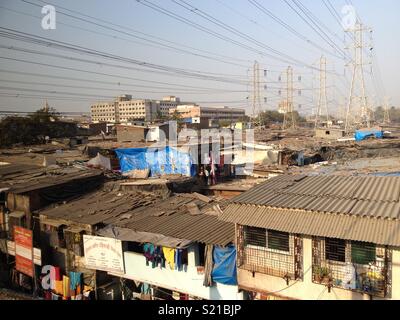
x,y
278,240
363,253
335,250
255,237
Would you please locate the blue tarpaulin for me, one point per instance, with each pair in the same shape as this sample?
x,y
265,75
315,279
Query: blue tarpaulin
x,y
224,270
165,160
361,135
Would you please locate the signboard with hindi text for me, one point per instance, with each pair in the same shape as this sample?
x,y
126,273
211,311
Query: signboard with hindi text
x,y
23,250
103,254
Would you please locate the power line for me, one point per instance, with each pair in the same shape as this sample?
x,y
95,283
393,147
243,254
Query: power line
x,y
29,38
96,73
220,36
142,36
267,12
111,89
319,32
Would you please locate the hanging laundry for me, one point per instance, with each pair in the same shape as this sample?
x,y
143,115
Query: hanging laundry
x,y
145,289
169,254
148,249
159,258
58,287
178,259
66,286
75,279
57,274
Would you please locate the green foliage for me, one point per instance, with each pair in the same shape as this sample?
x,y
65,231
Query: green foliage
x,y
45,115
34,128
321,272
274,117
176,117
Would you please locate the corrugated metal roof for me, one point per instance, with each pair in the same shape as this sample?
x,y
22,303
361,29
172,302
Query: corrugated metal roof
x,y
146,212
41,178
362,196
379,231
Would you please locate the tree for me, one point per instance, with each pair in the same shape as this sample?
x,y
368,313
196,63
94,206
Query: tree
x,y
160,115
176,116
45,115
34,128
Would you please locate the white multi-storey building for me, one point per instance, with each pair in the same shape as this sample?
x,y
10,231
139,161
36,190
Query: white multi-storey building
x,y
125,109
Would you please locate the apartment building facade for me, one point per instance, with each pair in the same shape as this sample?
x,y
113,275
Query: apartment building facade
x,y
318,238
222,114
125,109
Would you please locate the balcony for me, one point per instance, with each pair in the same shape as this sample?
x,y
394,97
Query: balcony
x,y
269,252
355,266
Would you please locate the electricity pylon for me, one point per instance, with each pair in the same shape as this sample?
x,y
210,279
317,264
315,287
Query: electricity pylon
x,y
289,120
323,100
256,94
386,114
361,114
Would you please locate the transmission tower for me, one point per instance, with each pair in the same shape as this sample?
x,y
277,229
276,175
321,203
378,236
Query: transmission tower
x,y
357,108
386,114
289,120
256,94
323,99
46,106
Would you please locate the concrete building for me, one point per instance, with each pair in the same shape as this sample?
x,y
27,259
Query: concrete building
x,y
131,222
318,238
125,109
329,133
136,133
195,111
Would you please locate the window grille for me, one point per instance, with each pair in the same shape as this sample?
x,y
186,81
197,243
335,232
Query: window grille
x,y
356,266
271,252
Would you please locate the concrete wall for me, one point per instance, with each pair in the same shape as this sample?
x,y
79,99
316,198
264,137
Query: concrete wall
x,y
130,134
189,281
330,134
306,289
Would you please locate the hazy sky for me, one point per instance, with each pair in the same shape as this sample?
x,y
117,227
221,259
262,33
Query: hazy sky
x,y
212,69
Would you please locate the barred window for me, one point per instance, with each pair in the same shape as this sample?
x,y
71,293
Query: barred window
x,y
335,250
255,237
278,240
270,252
362,253
357,266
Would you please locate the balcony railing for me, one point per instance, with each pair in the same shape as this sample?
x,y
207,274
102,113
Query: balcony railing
x,y
355,266
269,252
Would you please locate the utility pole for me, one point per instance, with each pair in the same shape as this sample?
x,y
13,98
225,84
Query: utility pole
x,y
386,114
323,100
289,121
360,114
256,94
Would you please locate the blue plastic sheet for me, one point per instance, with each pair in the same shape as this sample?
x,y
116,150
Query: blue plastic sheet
x,y
160,161
361,135
224,270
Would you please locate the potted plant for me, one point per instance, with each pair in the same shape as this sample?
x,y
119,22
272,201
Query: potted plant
x,y
322,275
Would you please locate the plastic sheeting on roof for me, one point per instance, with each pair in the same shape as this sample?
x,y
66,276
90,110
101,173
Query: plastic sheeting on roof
x,y
224,270
361,135
165,160
100,161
